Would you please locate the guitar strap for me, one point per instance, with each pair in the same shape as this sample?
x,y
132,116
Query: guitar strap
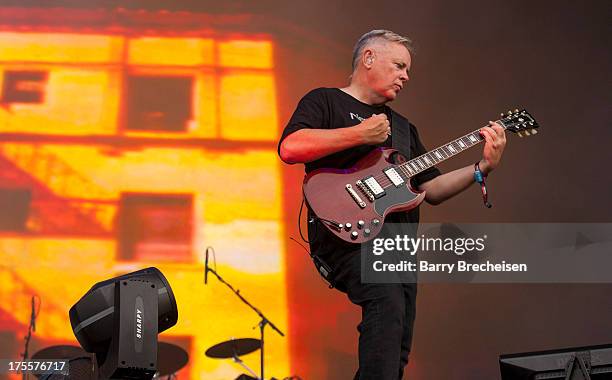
x,y
400,137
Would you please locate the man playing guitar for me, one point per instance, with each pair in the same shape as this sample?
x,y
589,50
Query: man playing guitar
x,y
334,128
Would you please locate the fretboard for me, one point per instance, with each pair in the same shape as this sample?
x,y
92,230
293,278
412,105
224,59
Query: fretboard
x,y
442,153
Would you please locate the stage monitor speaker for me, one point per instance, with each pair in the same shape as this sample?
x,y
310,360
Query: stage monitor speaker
x,y
578,363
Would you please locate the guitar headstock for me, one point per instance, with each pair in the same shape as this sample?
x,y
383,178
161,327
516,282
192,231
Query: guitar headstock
x,y
519,122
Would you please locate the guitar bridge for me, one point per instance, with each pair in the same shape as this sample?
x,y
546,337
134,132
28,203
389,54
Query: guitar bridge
x,y
365,190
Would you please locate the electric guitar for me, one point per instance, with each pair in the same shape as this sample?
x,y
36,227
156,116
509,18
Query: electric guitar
x,y
352,203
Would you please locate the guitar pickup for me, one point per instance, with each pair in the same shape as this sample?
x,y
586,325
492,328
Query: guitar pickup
x,y
374,187
395,178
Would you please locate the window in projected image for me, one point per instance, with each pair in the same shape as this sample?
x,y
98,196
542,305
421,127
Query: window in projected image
x,y
15,206
149,107
155,227
24,86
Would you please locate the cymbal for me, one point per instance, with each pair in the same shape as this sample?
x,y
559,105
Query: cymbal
x,y
170,358
238,347
62,352
59,352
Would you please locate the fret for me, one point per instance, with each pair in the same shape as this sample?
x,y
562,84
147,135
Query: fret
x,y
433,158
427,160
457,146
450,147
438,155
408,169
473,139
407,173
414,167
461,144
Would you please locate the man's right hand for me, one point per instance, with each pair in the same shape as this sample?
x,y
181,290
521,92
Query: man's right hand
x,y
374,130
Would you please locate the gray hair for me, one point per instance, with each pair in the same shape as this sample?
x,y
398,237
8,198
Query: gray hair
x,y
378,34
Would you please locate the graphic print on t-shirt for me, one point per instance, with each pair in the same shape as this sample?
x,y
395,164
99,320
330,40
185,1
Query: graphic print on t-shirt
x,y
355,116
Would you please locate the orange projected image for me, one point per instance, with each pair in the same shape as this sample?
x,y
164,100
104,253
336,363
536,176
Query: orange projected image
x,y
122,150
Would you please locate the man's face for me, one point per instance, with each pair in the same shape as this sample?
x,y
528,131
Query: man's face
x,y
389,69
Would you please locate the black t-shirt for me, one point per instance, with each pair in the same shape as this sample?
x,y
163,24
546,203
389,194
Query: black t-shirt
x,y
330,108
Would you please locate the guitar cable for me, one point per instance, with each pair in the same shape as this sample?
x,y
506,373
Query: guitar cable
x,y
300,224
333,223
324,269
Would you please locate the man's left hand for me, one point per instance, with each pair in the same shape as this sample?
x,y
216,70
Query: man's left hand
x,y
495,142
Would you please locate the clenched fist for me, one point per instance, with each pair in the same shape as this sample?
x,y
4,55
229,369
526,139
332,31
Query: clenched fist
x,y
374,130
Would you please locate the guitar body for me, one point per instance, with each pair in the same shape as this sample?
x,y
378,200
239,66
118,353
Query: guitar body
x,y
339,198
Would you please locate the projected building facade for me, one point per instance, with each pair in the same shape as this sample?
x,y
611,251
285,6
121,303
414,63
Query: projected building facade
x,y
132,139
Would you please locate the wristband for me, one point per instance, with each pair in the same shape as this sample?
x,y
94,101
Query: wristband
x,y
480,178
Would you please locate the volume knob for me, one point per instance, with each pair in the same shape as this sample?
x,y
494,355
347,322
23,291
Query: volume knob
x,y
348,226
366,232
360,224
354,235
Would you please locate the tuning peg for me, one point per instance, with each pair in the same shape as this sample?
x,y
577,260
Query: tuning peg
x,y
516,110
502,115
534,131
520,134
531,123
527,132
509,112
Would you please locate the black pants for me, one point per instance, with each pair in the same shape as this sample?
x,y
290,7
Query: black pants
x,y
387,319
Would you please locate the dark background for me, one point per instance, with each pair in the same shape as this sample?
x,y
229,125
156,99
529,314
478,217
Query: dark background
x,y
474,59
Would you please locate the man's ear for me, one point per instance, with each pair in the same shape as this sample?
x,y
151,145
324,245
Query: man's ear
x,y
368,58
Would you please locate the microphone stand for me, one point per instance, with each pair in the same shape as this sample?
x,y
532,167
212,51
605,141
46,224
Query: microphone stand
x,y
262,323
237,359
31,327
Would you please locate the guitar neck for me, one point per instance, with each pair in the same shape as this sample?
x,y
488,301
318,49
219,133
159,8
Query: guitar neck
x,y
444,152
